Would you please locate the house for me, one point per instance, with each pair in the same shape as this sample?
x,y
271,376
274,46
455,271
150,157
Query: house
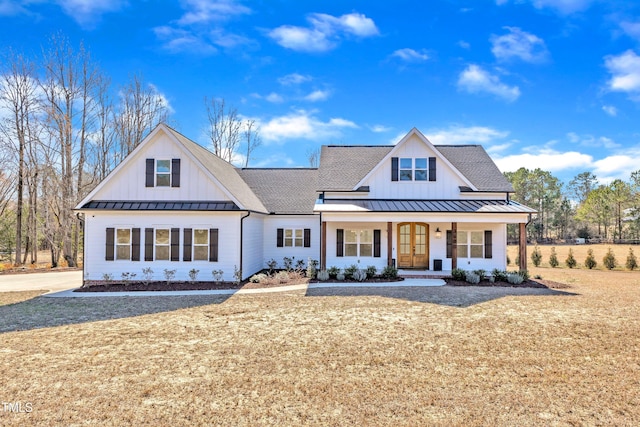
x,y
173,205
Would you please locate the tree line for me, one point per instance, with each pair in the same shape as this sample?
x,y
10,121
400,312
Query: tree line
x,y
63,127
583,208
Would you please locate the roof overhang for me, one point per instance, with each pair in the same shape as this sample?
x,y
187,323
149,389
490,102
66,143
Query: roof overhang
x,y
426,206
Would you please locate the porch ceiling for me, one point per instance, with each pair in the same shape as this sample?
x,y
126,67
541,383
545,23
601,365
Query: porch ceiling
x,y
444,206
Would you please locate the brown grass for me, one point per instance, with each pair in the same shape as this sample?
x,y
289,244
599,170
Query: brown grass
x,y
382,357
579,253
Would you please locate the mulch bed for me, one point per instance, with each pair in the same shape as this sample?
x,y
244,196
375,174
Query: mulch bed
x,y
27,270
161,286
531,283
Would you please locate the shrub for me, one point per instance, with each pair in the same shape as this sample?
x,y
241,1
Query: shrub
x,y
609,260
553,258
482,274
193,274
237,274
217,275
522,273
349,271
169,275
389,272
128,276
323,275
333,271
492,279
272,264
472,278
359,275
287,263
312,268
632,261
371,271
536,256
340,276
282,276
147,274
499,275
257,278
458,274
107,277
590,262
514,279
570,261
300,264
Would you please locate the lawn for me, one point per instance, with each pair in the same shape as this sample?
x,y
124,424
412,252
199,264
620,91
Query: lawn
x,y
579,253
423,356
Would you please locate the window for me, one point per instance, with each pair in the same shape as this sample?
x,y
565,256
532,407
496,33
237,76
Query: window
x,y
413,169
470,244
201,245
162,243
163,173
421,169
406,169
358,243
293,237
123,243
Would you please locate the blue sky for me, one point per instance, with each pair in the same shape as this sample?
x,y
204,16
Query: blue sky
x,y
553,84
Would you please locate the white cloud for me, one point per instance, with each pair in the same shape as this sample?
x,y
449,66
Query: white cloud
x,y
302,124
465,135
410,55
518,44
205,11
592,141
325,32
549,160
178,40
294,79
380,128
85,12
625,72
632,29
617,166
610,110
564,7
476,80
463,44
274,98
317,95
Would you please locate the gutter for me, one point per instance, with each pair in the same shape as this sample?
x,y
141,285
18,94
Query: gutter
x,y
242,240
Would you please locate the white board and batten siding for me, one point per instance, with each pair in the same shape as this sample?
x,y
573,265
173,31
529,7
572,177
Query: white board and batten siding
x,y
97,222
194,183
361,261
294,222
252,236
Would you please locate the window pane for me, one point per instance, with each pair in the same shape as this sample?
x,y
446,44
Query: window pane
x,y
123,252
299,241
201,253
406,163
201,237
163,166
350,249
162,252
350,236
462,251
288,233
366,249
163,180
288,241
299,234
405,175
421,175
421,163
476,251
366,236
477,237
462,236
162,237
124,236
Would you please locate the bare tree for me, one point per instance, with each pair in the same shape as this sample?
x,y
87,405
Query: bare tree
x,y
313,156
223,128
252,139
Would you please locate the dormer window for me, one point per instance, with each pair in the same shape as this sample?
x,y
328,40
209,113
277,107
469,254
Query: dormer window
x,y
162,173
413,169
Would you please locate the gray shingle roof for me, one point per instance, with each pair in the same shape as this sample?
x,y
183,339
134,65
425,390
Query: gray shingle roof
x,y
284,191
476,165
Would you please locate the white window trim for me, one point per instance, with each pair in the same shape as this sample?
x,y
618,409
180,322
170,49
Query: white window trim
x,y
116,244
155,243
413,169
468,244
359,242
194,244
293,237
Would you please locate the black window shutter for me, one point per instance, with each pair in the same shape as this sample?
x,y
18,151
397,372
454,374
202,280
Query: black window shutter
x,y
394,169
150,173
340,242
213,244
175,244
135,244
376,243
488,244
148,244
280,238
307,237
175,172
432,168
449,244
109,254
186,244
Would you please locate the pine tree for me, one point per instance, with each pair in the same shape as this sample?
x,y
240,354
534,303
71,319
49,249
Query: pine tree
x,y
590,262
553,258
570,261
536,256
609,260
632,261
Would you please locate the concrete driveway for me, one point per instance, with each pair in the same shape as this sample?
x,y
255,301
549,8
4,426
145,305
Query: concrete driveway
x,y
51,281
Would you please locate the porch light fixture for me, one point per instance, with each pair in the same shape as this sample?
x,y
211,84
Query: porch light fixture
x,y
438,233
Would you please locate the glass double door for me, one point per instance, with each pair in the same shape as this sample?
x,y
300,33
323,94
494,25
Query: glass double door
x,y
413,245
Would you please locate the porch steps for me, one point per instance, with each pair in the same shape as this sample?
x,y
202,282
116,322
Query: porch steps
x,y
423,274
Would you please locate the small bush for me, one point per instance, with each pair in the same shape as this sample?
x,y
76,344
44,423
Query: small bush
x,y
340,276
193,274
523,273
359,275
458,274
472,278
272,264
147,275
536,256
499,275
287,263
482,274
257,278
553,258
217,275
169,275
350,271
570,261
282,276
237,274
333,272
492,279
632,261
389,272
300,264
107,277
323,275
312,268
371,271
609,260
514,279
590,262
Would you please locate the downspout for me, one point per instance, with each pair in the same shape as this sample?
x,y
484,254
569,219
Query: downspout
x,y
242,240
84,241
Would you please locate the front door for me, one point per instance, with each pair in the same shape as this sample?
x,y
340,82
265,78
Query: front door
x,y
413,245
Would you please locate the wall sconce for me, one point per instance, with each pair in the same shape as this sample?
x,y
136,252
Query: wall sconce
x,y
438,233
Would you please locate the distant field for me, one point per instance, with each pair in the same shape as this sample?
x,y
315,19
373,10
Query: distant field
x,y
579,253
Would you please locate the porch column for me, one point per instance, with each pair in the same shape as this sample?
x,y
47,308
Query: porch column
x,y
523,246
454,245
323,246
389,243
